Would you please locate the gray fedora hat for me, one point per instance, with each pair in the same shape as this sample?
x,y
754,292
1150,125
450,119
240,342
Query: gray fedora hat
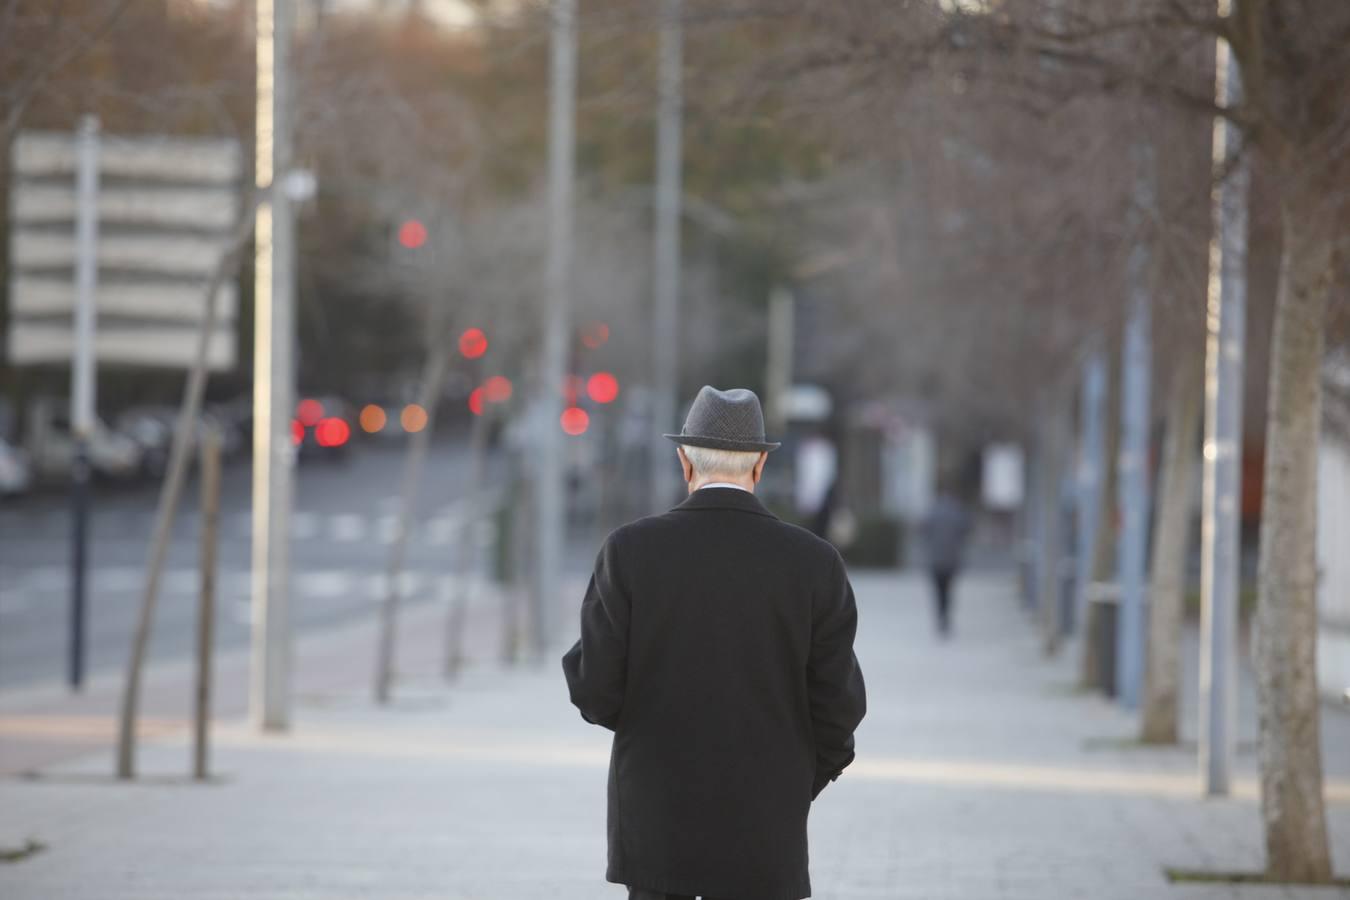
x,y
725,420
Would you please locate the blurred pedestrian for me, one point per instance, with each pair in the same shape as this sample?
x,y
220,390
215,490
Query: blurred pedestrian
x,y
717,644
820,521
945,531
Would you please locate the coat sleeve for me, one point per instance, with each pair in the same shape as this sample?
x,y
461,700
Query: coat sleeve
x,y
596,666
834,679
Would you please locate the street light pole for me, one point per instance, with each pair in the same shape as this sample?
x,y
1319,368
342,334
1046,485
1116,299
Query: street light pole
x,y
83,386
1133,486
1089,480
557,315
1220,527
273,375
666,268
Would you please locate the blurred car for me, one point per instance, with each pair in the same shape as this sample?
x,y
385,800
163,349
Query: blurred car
x,y
111,454
152,428
226,424
323,427
236,416
16,475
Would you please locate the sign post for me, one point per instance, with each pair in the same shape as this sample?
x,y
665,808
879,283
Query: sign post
x,y
82,380
210,525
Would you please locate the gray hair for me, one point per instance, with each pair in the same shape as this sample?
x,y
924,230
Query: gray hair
x,y
726,463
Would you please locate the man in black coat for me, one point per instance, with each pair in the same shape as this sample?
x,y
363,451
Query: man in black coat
x,y
717,644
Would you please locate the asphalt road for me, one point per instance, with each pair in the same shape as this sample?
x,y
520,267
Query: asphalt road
x,y
344,521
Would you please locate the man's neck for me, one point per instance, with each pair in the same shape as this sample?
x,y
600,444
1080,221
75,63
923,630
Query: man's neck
x,y
745,484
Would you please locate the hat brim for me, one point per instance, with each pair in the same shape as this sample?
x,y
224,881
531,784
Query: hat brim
x,y
716,443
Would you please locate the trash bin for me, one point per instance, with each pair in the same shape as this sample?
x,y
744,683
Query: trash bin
x,y
1103,619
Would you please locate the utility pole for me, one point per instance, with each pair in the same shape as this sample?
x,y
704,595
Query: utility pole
x,y
557,316
273,375
666,268
1133,486
83,388
1220,528
1049,481
1091,398
206,615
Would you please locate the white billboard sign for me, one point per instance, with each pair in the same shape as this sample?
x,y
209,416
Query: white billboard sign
x,y
166,208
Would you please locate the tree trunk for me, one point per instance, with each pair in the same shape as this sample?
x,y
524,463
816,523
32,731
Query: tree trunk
x,y
1286,671
1103,550
475,513
1171,543
189,413
433,376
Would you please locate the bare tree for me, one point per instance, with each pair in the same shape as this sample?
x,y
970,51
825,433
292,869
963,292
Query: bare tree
x,y
1159,709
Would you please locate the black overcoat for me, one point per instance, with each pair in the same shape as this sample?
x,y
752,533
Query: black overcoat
x,y
717,644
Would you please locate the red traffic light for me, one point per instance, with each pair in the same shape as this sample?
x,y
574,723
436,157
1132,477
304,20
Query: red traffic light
x,y
476,401
412,234
602,387
473,343
574,420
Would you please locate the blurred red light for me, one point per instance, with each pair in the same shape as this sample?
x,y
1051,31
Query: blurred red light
x,y
412,234
574,420
332,432
297,432
603,387
595,334
476,401
473,343
497,389
309,412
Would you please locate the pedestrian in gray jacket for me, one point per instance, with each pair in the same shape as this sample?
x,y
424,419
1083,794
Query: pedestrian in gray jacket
x,y
945,531
717,644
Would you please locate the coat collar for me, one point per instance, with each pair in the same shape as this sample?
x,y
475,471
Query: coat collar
x,y
724,498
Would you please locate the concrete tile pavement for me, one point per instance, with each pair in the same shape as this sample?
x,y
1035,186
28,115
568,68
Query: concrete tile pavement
x,y
981,774
47,724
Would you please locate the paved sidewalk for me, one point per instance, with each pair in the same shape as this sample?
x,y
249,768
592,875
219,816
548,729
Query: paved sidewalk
x,y
47,724
982,776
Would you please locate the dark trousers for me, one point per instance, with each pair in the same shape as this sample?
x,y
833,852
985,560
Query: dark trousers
x,y
644,894
942,594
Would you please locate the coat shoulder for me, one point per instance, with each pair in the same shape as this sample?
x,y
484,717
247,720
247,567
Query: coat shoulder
x,y
631,532
809,544
793,540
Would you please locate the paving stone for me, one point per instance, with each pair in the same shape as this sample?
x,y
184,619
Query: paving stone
x,y
977,779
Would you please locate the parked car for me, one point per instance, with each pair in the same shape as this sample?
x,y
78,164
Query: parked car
x,y
16,475
152,428
228,427
52,446
237,417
